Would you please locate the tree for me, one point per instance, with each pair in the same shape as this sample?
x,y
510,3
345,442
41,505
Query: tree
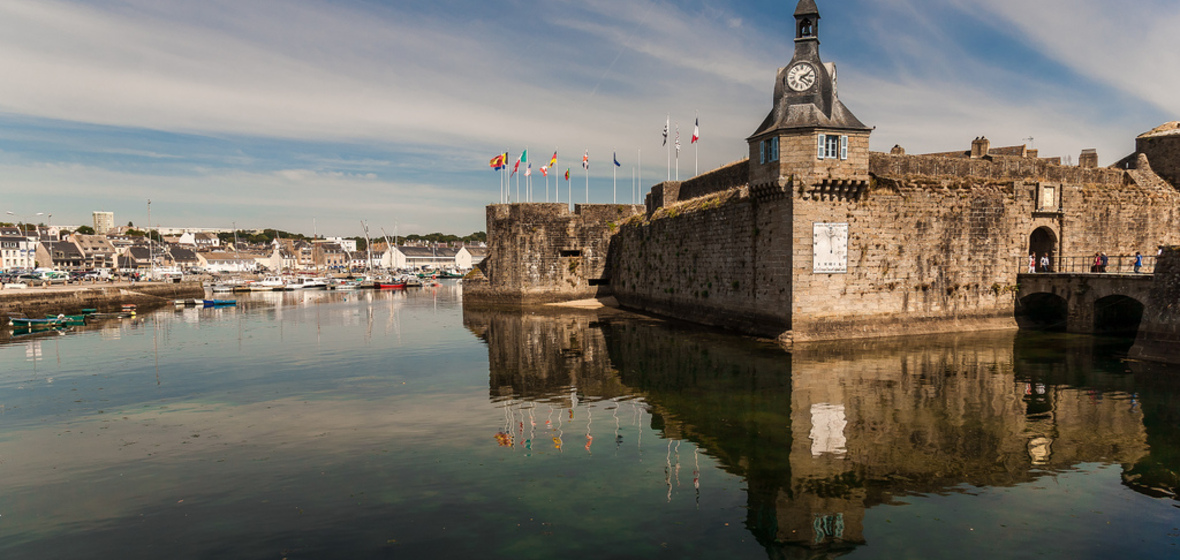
x,y
85,230
129,224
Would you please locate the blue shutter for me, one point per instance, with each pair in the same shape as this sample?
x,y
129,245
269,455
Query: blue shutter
x,y
774,149
762,152
843,147
823,140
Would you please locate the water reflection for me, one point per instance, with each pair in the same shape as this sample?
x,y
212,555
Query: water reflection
x,y
823,435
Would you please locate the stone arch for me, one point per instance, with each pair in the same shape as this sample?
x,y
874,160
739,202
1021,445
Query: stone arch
x,y
1042,311
1118,315
1043,240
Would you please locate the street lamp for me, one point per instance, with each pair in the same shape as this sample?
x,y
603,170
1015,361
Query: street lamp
x,y
19,220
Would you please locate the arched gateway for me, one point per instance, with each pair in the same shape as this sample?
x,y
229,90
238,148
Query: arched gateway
x,y
1043,242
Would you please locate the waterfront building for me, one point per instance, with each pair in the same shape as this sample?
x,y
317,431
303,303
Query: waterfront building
x,y
468,257
104,222
60,255
17,252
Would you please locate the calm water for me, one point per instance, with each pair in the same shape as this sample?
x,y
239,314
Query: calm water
x,y
396,425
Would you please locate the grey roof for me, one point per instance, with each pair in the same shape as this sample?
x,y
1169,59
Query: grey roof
x,y
807,8
807,115
477,251
183,255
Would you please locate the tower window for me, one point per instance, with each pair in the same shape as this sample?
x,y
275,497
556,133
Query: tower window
x,y
832,146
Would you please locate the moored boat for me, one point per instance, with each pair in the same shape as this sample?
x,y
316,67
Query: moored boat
x,y
220,302
25,322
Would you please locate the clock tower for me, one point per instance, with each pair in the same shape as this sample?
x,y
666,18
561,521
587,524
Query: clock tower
x,y
810,142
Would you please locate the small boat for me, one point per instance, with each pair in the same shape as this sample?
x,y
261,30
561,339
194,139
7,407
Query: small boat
x,y
70,320
129,308
398,284
219,302
25,322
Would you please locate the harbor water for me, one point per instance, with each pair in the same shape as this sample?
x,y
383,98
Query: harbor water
x,y
395,424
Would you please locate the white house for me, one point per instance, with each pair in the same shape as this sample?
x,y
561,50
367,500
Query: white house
x,y
468,257
17,252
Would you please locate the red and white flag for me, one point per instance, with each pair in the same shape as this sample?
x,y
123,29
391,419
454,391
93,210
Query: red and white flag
x,y
696,131
586,160
544,171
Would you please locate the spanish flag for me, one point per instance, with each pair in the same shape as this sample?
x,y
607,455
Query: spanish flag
x,y
499,162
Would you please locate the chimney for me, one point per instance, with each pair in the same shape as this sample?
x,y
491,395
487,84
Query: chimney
x,y
1088,159
980,147
897,150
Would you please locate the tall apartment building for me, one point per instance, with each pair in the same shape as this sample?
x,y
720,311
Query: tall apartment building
x,y
103,222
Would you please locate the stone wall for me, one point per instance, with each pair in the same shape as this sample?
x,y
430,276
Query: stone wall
x,y
39,302
1163,153
734,175
721,260
926,253
540,253
1159,333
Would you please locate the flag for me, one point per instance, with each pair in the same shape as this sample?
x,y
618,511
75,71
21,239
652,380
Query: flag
x,y
528,170
696,131
516,167
497,162
666,123
567,174
617,164
544,171
677,139
524,156
586,160
553,160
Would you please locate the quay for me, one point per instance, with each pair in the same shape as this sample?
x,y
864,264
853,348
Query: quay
x,y
71,299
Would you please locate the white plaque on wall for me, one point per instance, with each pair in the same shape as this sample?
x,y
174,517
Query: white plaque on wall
x,y
830,246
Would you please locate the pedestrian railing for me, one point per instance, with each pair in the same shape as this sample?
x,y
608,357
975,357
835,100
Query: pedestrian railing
x,y
1115,264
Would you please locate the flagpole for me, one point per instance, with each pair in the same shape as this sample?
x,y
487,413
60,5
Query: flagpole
x,y
615,186
677,151
586,166
639,181
668,146
557,187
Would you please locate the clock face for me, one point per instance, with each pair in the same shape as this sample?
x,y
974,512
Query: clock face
x,y
801,77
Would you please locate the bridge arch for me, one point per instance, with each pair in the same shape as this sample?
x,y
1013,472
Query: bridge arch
x,y
1043,311
1043,241
1117,314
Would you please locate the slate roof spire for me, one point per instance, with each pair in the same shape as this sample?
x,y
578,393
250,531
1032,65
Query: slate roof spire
x,y
806,8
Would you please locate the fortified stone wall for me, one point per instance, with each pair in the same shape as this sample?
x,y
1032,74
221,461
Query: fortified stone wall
x,y
539,253
926,253
1163,151
734,175
722,260
995,168
1159,332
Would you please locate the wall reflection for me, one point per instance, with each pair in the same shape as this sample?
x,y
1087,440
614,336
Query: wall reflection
x,y
827,432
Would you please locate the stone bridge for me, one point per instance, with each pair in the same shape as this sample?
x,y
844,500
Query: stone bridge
x,y
1083,302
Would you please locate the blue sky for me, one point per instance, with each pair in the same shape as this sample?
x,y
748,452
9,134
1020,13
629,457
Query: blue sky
x,y
298,112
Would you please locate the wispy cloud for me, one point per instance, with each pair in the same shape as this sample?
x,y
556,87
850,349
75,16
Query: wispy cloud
x,y
271,104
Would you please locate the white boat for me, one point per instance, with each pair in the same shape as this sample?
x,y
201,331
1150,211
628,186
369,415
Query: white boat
x,y
308,284
269,284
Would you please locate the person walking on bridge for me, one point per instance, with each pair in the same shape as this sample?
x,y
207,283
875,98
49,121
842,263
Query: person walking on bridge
x,y
1046,263
1138,262
1032,263
1105,261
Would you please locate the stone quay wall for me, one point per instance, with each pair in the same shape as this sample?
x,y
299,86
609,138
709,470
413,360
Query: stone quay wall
x,y
39,302
1159,332
542,252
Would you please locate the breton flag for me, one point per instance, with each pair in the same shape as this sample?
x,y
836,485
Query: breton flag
x,y
696,131
677,139
666,123
586,160
553,160
617,164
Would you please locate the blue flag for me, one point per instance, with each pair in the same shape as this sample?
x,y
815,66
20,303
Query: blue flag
x,y
617,164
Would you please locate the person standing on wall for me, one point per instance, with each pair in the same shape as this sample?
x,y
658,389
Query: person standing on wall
x,y
1138,262
1097,263
1032,263
1104,261
1045,266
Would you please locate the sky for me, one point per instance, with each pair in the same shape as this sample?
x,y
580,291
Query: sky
x,y
314,115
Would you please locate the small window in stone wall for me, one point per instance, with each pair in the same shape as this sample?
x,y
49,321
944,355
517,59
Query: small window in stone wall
x,y
768,151
570,253
832,146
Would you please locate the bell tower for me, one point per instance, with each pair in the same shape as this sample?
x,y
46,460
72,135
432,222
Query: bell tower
x,y
810,140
